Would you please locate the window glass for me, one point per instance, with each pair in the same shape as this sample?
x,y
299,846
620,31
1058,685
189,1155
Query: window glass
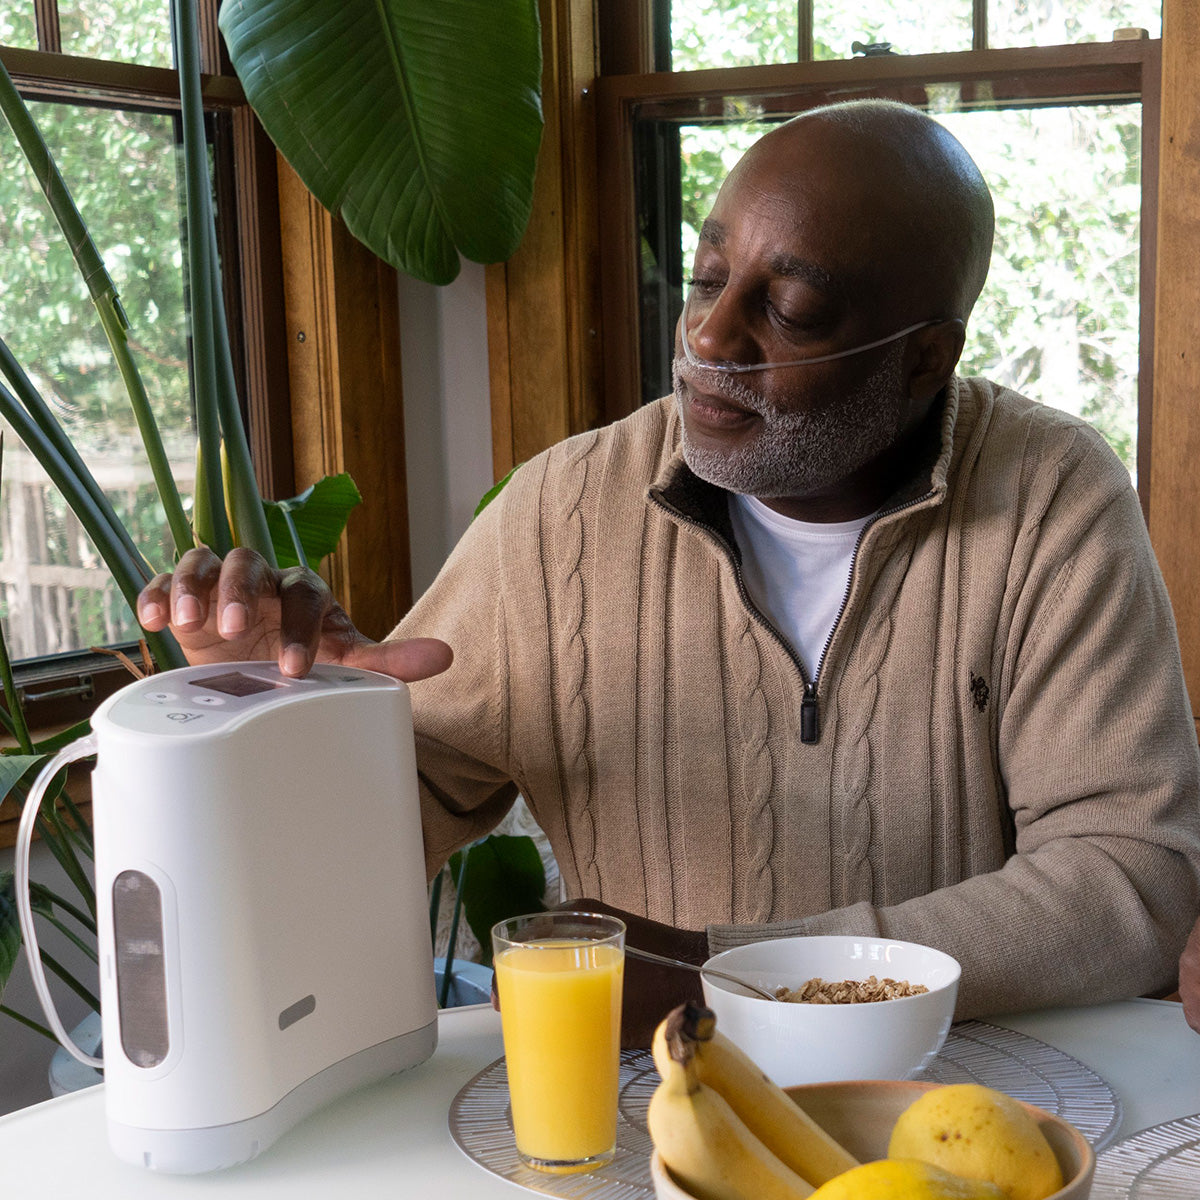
x,y
911,26
137,31
1059,22
732,33
17,25
1059,316
121,168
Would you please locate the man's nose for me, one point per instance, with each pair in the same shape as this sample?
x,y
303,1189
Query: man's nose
x,y
717,329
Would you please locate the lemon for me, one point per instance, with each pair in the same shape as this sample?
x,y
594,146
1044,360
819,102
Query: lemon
x,y
903,1179
979,1133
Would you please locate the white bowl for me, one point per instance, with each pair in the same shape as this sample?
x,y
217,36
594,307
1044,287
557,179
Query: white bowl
x,y
813,1043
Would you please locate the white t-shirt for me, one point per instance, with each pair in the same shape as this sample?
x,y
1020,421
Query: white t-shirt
x,y
796,572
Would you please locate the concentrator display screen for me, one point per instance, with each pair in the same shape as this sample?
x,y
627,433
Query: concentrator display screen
x,y
234,683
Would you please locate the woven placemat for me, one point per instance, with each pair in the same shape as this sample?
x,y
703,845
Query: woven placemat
x,y
975,1052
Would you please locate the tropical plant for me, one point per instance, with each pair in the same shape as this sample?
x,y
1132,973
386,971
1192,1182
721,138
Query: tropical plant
x,y
418,123
420,126
226,509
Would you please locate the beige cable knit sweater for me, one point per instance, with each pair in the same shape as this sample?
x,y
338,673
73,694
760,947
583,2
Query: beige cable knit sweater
x,y
1006,765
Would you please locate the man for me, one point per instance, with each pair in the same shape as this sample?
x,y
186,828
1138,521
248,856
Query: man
x,y
830,641
1189,978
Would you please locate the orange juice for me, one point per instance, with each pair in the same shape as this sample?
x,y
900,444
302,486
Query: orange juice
x,y
560,1007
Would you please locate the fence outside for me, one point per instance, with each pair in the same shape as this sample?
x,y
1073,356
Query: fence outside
x,y
56,594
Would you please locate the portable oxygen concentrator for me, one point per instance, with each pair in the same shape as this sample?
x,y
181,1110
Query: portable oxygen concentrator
x,y
263,916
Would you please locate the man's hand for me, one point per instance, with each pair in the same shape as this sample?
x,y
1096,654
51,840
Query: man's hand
x,y
651,991
242,608
1189,978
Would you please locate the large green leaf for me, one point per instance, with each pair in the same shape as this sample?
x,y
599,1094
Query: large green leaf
x,y
316,517
14,767
417,120
505,878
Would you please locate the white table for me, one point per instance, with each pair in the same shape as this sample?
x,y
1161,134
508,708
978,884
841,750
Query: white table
x,y
392,1139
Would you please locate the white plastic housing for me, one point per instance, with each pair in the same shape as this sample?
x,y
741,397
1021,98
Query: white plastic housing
x,y
281,831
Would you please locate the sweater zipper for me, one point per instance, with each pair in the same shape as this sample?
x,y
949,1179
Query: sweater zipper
x,y
810,707
810,702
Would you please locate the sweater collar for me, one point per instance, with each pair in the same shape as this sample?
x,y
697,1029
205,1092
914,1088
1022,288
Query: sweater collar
x,y
682,492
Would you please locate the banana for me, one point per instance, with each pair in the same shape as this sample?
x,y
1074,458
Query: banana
x,y
706,1145
766,1109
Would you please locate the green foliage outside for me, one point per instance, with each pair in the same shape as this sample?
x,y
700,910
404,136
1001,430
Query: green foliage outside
x,y
1058,319
122,167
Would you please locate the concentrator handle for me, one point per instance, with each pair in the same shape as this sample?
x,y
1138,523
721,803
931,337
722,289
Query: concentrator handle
x,y
81,748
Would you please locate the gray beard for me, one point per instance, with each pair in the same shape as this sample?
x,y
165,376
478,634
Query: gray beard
x,y
798,453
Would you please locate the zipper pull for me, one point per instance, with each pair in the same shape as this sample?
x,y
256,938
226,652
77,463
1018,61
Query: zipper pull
x,y
810,715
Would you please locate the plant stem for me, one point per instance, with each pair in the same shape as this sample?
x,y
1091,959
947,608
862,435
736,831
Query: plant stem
x,y
78,988
45,420
246,510
41,892
83,833
448,970
16,711
16,1016
71,935
66,859
103,293
124,570
198,189
435,904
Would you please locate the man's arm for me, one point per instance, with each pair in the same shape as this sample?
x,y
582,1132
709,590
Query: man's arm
x,y
1189,978
241,608
1096,754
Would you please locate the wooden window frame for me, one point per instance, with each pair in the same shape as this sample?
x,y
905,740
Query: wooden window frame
x,y
1042,75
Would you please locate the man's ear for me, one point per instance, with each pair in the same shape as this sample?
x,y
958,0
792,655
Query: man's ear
x,y
937,350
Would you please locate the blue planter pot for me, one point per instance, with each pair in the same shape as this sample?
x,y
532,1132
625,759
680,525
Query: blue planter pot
x,y
470,982
68,1074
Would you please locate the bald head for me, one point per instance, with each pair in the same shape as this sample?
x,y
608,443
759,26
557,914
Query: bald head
x,y
920,212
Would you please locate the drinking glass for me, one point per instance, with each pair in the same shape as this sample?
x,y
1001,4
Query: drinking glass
x,y
558,976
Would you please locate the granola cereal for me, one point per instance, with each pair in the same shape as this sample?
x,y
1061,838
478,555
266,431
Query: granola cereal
x,y
849,991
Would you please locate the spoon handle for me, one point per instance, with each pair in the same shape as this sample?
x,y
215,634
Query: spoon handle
x,y
648,956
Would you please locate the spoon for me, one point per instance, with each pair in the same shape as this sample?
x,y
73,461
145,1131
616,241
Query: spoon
x,y
646,956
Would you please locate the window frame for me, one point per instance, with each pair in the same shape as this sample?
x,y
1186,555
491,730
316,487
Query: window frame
x,y
1089,71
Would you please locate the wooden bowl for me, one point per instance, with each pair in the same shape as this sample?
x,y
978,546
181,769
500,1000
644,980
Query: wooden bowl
x,y
860,1114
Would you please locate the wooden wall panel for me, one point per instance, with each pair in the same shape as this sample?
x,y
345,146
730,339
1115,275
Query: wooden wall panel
x,y
543,303
1175,448
347,401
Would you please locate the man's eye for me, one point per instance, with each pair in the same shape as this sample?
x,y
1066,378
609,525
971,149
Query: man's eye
x,y
704,287
807,323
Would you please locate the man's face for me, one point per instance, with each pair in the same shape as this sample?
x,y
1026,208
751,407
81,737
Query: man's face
x,y
789,268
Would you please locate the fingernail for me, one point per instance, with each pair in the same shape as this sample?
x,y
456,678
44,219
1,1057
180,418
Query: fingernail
x,y
150,612
294,659
233,619
187,609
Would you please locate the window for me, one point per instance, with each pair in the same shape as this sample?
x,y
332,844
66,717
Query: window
x,y
1056,129
109,113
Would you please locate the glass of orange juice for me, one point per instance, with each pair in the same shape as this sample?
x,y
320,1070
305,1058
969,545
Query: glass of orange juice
x,y
559,976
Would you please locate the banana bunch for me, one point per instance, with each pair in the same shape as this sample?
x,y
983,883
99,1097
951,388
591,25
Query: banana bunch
x,y
725,1130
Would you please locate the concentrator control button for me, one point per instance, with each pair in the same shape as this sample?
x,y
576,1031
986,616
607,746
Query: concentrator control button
x,y
208,701
161,697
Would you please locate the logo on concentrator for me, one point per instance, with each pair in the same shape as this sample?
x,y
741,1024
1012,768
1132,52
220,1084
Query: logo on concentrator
x,y
183,716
